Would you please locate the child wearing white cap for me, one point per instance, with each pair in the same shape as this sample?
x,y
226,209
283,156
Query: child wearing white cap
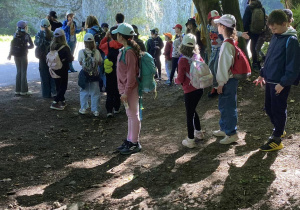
x,y
89,58
227,85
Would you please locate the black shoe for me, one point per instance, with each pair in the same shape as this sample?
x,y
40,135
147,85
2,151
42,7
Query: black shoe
x,y
125,142
272,145
131,148
212,93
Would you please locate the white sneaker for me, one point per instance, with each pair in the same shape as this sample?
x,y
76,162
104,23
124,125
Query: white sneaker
x,y
26,93
199,134
109,115
219,133
229,139
96,113
190,143
82,111
117,111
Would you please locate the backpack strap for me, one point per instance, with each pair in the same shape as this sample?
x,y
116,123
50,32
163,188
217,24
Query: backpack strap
x,y
61,48
287,42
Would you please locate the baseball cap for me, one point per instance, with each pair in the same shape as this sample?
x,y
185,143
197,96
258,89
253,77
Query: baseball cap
x,y
288,13
58,32
227,20
214,14
168,35
52,14
104,25
45,23
154,30
178,26
189,40
88,37
191,20
21,24
125,29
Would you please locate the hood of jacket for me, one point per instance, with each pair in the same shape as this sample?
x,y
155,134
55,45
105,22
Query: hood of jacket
x,y
115,44
97,28
255,4
290,32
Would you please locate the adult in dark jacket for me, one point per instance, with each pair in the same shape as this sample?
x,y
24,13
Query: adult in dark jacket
x,y
247,18
52,17
154,46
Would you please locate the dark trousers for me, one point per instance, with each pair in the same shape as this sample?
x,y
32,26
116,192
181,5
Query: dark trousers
x,y
113,96
61,88
174,67
192,119
158,64
275,106
254,38
47,82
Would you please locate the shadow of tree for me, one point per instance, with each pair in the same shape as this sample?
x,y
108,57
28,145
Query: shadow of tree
x,y
161,180
238,189
78,180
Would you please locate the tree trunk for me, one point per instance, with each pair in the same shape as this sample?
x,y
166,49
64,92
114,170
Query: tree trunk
x,y
203,8
232,7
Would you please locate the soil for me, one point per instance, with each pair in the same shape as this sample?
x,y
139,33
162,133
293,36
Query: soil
x,y
60,159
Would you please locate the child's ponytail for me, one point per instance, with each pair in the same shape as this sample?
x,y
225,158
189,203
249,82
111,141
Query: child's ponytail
x,y
130,42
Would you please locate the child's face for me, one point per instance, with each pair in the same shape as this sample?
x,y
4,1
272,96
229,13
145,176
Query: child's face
x,y
105,29
153,35
167,38
189,26
177,30
70,17
213,23
220,28
278,29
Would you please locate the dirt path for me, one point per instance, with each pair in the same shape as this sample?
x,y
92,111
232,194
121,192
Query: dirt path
x,y
50,158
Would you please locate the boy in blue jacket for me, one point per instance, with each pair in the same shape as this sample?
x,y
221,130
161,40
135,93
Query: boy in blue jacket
x,y
280,71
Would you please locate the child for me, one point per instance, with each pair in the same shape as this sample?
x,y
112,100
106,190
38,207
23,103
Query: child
x,y
70,28
168,55
280,71
154,46
216,42
111,50
127,73
191,27
105,27
59,43
290,18
89,58
189,50
175,55
227,85
19,49
42,41
178,31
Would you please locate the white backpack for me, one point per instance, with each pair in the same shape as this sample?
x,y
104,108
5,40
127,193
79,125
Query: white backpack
x,y
54,62
200,74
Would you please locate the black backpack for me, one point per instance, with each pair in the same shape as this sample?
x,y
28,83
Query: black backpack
x,y
19,45
100,34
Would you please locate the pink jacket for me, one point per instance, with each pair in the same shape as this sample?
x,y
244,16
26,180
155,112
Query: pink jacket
x,y
127,72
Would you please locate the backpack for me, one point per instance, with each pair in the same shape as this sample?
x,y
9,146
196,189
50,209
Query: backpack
x,y
99,35
257,25
19,45
241,68
90,67
54,62
200,75
42,50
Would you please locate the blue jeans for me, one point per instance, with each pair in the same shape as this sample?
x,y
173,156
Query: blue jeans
x,y
21,78
91,89
47,82
168,67
228,107
72,46
213,64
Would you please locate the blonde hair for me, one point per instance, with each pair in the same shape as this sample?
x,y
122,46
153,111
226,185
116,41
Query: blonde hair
x,y
90,45
91,21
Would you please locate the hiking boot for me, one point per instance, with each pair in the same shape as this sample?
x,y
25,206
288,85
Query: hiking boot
x,y
82,111
130,148
229,139
96,113
199,134
109,115
55,105
213,93
272,145
190,143
125,142
219,133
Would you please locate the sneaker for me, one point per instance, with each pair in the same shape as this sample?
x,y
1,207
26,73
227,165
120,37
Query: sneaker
x,y
130,148
55,105
82,111
190,143
199,134
213,93
229,139
96,113
26,93
117,111
271,146
219,133
72,70
63,103
168,82
125,142
282,136
109,115
17,94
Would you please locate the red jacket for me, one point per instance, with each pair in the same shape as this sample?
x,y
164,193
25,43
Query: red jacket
x,y
113,44
168,51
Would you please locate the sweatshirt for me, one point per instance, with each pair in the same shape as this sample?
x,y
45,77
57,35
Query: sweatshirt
x,y
168,50
127,71
226,60
113,44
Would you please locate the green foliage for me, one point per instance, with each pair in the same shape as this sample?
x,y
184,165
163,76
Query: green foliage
x,y
270,5
296,23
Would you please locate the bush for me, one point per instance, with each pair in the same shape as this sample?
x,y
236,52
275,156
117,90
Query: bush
x,y
296,23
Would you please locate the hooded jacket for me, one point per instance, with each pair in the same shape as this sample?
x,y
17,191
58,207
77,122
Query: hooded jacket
x,y
66,28
94,30
248,15
282,65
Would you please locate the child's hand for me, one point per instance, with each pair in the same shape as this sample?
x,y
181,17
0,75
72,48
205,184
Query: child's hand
x,y
278,89
260,80
107,34
124,98
220,90
245,35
